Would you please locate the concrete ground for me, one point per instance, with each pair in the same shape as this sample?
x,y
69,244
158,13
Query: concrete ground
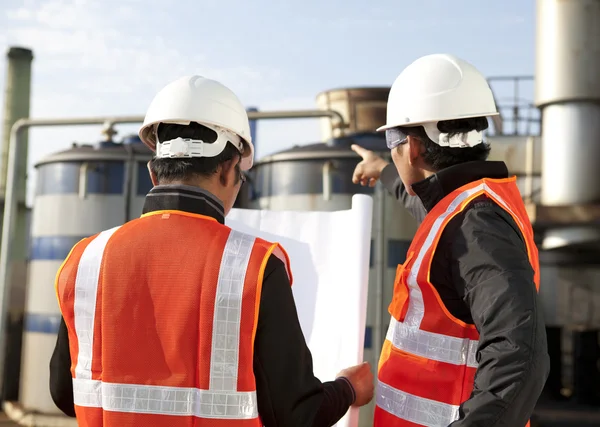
x,y
14,415
547,415
6,422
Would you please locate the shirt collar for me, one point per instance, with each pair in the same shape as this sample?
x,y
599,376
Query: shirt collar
x,y
433,189
185,198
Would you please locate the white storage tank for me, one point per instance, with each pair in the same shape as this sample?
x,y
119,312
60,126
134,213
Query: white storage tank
x,y
79,192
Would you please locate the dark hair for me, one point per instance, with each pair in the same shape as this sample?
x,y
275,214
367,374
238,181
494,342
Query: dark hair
x,y
443,157
169,170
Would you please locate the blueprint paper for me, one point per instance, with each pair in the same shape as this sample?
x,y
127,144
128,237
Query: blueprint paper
x,y
329,255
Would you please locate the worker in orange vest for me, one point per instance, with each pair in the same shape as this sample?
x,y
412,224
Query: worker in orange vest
x,y
174,319
466,343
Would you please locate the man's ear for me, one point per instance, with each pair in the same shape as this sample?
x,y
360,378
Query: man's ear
x,y
414,149
153,177
224,172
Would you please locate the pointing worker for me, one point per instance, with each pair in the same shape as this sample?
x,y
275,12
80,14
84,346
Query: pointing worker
x,y
466,345
174,319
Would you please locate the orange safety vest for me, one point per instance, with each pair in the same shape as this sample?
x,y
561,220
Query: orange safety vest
x,y
428,361
161,314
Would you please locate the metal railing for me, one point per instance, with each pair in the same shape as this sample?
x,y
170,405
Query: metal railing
x,y
518,113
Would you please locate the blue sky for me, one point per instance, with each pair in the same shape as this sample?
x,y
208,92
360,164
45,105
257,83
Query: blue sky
x,y
109,57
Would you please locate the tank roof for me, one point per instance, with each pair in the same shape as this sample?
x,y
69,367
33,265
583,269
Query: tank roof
x,y
85,152
18,52
336,148
356,89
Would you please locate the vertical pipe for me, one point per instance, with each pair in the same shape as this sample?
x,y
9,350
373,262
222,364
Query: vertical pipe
x,y
529,164
7,248
567,89
128,192
83,180
253,126
380,270
16,106
327,184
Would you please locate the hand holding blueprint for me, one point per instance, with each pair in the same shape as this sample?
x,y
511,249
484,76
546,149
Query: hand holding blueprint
x,y
329,254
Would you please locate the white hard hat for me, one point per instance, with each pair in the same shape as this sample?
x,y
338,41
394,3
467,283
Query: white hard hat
x,y
205,101
435,88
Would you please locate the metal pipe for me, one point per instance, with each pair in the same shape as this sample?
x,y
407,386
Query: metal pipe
x,y
15,153
506,78
83,179
568,94
16,106
498,121
128,181
297,114
17,103
570,135
327,168
529,162
110,121
252,126
380,270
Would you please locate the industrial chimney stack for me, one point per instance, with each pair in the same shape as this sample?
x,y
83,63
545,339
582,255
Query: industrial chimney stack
x,y
16,106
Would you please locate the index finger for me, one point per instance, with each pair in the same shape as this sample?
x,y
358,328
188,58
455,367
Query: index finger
x,y
362,152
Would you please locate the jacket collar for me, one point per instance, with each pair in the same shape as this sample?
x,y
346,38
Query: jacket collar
x,y
184,198
434,188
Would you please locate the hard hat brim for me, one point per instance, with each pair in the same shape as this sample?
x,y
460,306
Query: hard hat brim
x,y
421,122
146,134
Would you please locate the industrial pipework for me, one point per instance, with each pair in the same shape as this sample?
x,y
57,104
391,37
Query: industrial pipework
x,y
567,90
16,107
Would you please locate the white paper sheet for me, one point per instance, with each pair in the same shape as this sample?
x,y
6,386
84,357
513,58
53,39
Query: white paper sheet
x,y
329,254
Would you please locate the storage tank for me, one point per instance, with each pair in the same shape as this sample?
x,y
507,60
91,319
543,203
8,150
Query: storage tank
x,y
363,110
79,192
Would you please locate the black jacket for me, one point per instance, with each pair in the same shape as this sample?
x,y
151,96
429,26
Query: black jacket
x,y
287,391
483,275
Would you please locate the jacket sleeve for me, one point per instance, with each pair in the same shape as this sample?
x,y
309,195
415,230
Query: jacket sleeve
x,y
61,382
493,273
288,392
392,183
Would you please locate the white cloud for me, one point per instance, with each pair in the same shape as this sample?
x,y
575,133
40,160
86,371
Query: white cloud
x,y
89,60
88,46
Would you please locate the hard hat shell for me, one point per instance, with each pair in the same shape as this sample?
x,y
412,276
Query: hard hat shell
x,y
201,100
438,87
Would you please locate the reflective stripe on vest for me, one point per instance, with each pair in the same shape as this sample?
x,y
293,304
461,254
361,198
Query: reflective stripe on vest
x,y
443,348
221,400
415,409
427,334
416,309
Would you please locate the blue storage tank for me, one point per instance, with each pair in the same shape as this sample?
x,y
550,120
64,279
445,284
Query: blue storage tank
x,y
79,192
